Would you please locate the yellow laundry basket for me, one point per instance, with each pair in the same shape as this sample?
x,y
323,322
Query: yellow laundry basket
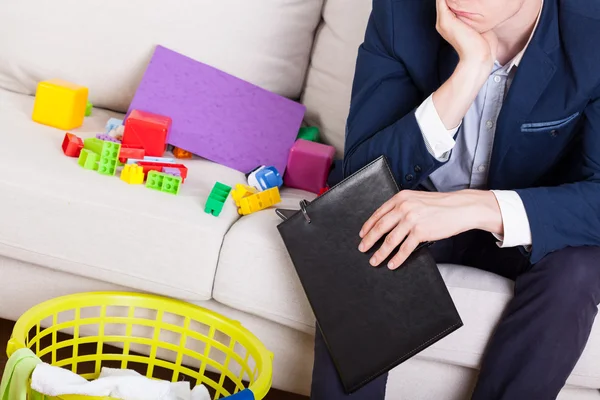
x,y
159,337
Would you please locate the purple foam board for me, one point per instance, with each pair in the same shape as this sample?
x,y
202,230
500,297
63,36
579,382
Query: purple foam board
x,y
216,115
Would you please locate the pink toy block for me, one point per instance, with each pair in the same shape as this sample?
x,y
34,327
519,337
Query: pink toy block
x,y
308,165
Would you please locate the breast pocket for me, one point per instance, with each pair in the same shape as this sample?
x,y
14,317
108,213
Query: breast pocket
x,y
554,128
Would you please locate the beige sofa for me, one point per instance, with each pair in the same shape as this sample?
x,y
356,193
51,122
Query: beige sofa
x,y
64,229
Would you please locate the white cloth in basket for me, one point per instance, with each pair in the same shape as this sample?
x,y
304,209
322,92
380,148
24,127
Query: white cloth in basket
x,y
120,384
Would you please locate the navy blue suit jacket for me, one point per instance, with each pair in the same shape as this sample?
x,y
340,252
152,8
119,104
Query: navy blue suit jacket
x,y
547,142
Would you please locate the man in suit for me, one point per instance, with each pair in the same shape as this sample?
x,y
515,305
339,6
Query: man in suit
x,y
489,113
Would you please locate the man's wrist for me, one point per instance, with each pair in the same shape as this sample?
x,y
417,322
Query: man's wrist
x,y
482,211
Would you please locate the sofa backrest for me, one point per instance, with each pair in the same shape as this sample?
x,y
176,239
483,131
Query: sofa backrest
x,y
331,72
106,44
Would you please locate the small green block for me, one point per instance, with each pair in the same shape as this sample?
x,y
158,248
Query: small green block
x,y
216,199
310,133
88,159
88,108
163,182
171,184
93,144
154,180
109,158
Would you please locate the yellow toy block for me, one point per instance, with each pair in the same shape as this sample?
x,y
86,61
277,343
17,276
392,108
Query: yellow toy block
x,y
60,104
259,201
133,174
240,192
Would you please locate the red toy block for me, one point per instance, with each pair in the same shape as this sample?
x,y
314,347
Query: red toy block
x,y
308,165
155,166
326,188
148,131
72,145
130,152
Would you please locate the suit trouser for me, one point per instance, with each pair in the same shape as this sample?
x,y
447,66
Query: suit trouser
x,y
540,337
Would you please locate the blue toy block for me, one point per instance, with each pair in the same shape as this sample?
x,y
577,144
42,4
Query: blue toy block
x,y
161,160
113,123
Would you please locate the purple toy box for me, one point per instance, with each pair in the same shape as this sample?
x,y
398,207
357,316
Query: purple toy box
x,y
308,165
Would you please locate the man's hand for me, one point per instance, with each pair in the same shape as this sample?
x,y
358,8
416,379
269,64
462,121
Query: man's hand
x,y
471,46
413,217
477,53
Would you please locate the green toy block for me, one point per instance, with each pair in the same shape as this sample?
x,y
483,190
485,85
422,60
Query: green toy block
x,y
88,108
88,159
163,182
216,199
310,133
93,144
109,157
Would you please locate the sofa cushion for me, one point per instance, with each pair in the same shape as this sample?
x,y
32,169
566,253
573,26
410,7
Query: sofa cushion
x,y
56,214
329,79
106,45
256,275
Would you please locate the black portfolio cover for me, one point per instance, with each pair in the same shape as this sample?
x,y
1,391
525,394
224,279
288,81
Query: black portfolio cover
x,y
372,319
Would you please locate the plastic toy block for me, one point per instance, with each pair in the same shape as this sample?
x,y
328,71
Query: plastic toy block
x,y
113,124
108,158
148,131
160,160
132,174
60,104
72,145
181,153
240,192
308,165
93,144
88,159
128,152
325,189
171,171
216,199
88,109
107,138
163,182
310,133
259,201
152,166
263,178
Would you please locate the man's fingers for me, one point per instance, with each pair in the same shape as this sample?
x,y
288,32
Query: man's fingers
x,y
383,226
409,245
392,240
377,215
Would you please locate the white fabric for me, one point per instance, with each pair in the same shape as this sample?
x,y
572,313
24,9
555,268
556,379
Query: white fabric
x,y
55,213
438,140
329,80
106,44
517,231
55,381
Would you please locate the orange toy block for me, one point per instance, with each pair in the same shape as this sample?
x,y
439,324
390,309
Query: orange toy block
x,y
181,153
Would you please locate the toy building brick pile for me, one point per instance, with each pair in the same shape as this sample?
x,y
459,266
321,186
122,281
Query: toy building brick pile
x,y
238,125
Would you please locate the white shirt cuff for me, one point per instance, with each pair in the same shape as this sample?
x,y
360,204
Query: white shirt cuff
x,y
438,140
514,217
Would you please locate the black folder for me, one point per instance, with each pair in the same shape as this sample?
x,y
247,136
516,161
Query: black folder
x,y
372,319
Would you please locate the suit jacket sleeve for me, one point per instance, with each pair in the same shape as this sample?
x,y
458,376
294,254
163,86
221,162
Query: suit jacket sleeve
x,y
569,215
382,111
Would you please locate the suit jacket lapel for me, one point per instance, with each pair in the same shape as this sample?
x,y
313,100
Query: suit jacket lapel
x,y
532,77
